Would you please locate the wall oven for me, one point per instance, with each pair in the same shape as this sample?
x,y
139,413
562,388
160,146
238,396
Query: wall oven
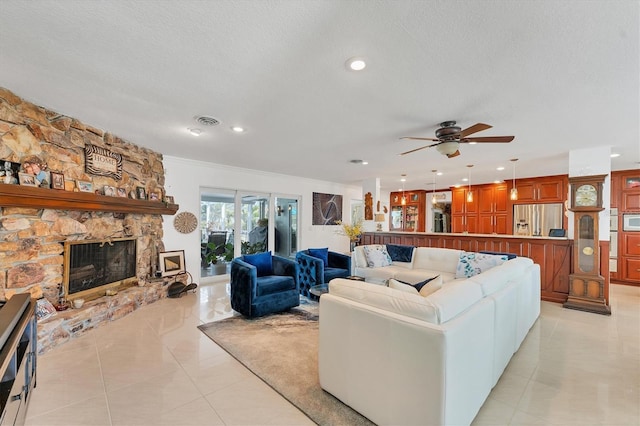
x,y
631,222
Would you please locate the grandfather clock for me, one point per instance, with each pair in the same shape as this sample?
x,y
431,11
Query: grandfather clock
x,y
586,285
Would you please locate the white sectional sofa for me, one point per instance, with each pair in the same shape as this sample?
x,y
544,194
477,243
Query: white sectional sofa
x,y
403,359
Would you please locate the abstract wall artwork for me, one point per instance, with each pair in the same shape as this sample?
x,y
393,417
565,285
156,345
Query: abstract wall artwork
x,y
327,208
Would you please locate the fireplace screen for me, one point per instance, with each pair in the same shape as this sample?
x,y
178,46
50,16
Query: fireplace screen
x,y
91,265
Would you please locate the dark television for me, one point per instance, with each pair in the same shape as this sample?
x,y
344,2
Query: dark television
x,y
92,267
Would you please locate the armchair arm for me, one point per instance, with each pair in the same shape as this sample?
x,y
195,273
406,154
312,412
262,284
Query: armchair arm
x,y
339,260
284,266
310,270
243,278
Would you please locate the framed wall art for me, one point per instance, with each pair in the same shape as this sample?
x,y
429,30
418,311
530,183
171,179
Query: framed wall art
x,y
102,162
327,208
172,263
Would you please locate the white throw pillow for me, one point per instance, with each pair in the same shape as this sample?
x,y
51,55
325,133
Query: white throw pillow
x,y
377,256
434,284
471,264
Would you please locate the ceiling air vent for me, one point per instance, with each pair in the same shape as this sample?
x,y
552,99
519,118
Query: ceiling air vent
x,y
206,121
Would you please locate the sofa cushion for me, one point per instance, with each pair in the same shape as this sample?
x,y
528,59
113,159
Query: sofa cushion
x,y
379,275
455,298
262,262
497,278
470,263
320,253
400,253
424,288
436,259
377,256
388,299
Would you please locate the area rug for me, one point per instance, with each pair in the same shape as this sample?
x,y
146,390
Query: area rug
x,y
282,350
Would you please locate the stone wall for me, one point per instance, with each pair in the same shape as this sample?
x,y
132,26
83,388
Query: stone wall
x,y
31,240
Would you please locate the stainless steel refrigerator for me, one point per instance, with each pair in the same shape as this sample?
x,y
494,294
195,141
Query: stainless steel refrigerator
x,y
536,219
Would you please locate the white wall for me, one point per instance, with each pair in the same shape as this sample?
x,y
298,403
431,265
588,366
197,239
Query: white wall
x,y
184,178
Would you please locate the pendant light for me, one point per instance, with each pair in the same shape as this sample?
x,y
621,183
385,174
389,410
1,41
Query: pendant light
x,y
469,193
513,195
403,201
433,197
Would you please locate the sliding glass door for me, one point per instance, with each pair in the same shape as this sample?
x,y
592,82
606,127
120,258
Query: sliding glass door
x,y
240,222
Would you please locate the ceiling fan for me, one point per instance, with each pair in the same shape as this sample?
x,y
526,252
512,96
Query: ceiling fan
x,y
449,137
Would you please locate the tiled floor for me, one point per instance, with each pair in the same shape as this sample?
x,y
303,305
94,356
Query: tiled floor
x,y
155,367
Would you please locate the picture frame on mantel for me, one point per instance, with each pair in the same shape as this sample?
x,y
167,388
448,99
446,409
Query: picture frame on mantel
x,y
57,180
27,180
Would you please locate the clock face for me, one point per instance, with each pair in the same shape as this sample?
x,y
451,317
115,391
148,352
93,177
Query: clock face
x,y
586,196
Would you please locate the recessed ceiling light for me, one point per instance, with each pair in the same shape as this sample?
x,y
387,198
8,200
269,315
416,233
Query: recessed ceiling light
x,y
500,168
472,143
237,129
356,64
195,132
439,173
465,179
403,180
614,155
498,181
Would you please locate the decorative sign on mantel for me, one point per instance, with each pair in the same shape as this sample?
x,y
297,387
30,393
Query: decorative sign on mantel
x,y
102,162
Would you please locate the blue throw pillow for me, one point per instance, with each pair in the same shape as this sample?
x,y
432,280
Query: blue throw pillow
x,y
320,253
262,262
400,253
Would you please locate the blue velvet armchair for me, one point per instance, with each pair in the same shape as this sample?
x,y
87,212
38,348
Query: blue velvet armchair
x,y
271,286
313,271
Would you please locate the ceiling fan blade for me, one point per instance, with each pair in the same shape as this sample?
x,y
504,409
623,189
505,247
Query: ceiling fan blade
x,y
455,154
420,139
474,129
418,149
498,139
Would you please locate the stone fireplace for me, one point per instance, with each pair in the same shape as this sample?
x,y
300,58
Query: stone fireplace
x,y
32,239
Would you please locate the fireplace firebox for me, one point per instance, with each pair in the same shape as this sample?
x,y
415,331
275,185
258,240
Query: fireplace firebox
x,y
93,267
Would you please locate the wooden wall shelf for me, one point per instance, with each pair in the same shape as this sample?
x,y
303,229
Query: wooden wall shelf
x,y
43,198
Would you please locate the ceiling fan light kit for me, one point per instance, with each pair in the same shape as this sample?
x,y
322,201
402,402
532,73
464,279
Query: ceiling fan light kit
x,y
449,137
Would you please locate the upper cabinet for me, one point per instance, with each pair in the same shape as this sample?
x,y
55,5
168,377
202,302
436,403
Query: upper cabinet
x,y
410,216
550,189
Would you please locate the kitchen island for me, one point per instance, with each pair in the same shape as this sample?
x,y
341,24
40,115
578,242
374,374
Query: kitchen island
x,y
553,254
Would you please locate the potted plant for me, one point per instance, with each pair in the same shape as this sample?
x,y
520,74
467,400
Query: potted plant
x,y
352,231
219,255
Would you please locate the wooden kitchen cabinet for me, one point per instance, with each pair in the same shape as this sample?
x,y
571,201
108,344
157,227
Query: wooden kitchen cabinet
x,y
492,209
542,190
630,257
464,214
411,216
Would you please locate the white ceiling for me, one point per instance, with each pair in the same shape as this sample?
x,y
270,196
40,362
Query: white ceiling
x,y
559,75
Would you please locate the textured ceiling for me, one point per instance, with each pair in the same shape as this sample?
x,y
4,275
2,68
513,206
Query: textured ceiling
x,y
559,75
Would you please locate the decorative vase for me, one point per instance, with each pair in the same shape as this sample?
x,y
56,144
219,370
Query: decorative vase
x,y
352,245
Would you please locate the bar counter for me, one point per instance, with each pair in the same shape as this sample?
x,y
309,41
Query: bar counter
x,y
553,254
